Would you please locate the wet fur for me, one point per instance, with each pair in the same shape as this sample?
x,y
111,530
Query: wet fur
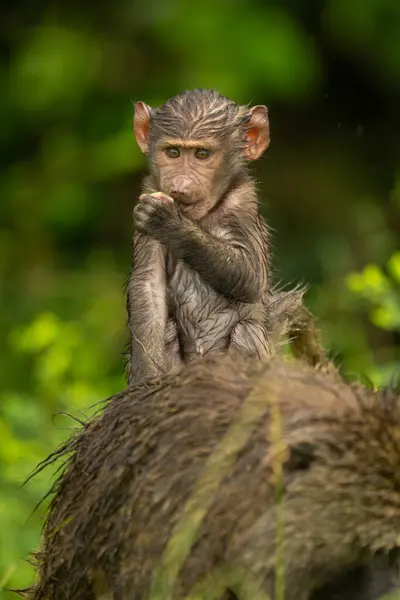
x,y
202,284
133,468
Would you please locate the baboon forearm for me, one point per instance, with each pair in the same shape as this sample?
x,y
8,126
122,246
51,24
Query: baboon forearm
x,y
230,268
147,328
227,269
147,308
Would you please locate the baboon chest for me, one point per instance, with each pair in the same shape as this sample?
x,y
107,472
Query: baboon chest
x,y
204,318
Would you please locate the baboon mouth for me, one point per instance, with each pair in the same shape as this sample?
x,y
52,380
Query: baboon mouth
x,y
187,207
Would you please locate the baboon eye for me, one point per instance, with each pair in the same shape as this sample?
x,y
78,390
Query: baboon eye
x,y
172,152
202,153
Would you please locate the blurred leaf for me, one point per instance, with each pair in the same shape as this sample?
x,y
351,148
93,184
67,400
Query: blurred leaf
x,y
39,335
394,266
355,282
374,278
55,68
117,154
266,46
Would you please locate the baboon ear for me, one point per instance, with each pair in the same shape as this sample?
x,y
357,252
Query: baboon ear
x,y
141,125
257,133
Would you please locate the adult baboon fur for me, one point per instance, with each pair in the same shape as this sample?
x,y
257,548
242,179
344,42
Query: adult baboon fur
x,y
209,483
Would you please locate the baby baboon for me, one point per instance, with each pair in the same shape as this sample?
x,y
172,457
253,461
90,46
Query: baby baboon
x,y
232,480
199,281
200,276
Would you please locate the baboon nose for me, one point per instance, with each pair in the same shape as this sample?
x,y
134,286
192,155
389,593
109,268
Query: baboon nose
x,y
181,190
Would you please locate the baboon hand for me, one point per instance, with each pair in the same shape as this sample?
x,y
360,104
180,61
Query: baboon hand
x,y
154,212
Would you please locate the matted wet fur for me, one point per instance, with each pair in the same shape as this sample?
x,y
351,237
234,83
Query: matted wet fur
x,y
209,471
287,320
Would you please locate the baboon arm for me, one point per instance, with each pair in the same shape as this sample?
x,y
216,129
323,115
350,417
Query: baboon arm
x,y
235,265
147,307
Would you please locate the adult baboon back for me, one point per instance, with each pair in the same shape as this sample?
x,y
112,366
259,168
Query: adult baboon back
x,y
230,480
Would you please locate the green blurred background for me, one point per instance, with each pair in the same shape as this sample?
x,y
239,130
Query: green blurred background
x,y
329,72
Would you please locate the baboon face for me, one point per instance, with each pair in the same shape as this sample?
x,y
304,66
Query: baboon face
x,y
198,143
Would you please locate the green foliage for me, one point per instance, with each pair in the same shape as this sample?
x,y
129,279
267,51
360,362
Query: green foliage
x,y
268,46
50,66
381,291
